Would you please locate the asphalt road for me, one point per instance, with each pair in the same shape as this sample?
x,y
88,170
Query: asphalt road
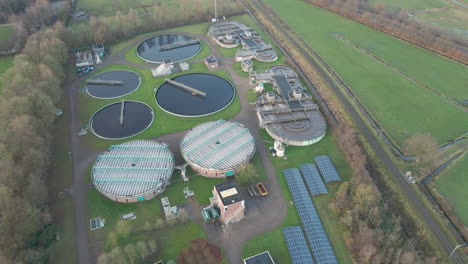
x,y
429,220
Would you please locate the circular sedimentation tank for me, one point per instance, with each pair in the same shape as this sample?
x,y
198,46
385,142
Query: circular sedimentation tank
x,y
121,120
133,171
175,47
218,148
113,84
215,94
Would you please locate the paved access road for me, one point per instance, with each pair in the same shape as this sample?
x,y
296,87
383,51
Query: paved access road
x,y
312,57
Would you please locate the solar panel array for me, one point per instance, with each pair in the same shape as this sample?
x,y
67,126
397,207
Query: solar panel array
x,y
297,245
310,220
313,180
327,169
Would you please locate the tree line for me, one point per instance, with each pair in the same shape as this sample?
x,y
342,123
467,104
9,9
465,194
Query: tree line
x,y
163,15
10,7
32,88
371,231
401,25
28,17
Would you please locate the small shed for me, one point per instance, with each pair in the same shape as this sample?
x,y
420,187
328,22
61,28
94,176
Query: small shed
x,y
247,65
211,62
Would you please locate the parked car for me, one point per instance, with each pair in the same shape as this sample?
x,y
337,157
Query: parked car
x,y
79,72
261,188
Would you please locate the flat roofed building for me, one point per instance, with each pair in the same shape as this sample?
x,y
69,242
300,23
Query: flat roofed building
x,y
230,34
289,114
211,62
262,258
230,202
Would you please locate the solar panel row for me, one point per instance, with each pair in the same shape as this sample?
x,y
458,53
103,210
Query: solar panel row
x,y
327,169
313,180
297,245
313,228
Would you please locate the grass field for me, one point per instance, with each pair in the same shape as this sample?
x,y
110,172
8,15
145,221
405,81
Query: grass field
x,y
274,241
5,64
5,32
402,107
444,14
411,5
454,19
170,240
108,6
453,184
164,123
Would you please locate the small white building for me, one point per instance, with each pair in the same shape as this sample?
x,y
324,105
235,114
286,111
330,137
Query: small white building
x,y
163,69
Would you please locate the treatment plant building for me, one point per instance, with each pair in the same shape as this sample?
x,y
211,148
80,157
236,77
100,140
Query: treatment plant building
x,y
218,149
288,113
134,171
231,34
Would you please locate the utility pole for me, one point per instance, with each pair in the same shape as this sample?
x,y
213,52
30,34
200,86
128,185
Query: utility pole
x,y
216,9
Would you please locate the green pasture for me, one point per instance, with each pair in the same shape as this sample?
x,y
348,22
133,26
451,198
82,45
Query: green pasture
x,y
400,105
274,241
454,19
107,6
453,184
410,5
443,14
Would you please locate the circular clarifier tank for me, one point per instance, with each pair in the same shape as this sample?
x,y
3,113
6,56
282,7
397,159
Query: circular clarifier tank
x,y
113,84
121,120
175,47
195,94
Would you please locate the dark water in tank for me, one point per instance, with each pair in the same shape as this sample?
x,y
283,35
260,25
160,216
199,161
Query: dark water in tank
x,y
106,122
150,48
219,93
131,80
